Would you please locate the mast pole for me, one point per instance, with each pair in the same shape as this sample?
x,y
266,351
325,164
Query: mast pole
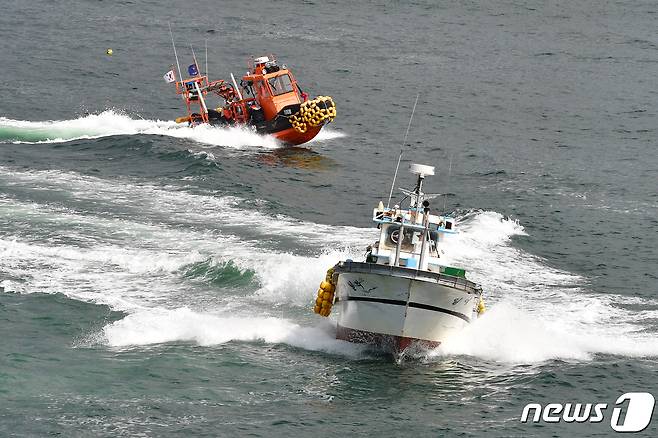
x,y
390,195
204,113
419,190
180,76
398,245
235,84
195,61
445,197
423,245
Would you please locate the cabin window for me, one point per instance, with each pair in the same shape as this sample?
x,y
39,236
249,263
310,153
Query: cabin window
x,y
280,84
247,88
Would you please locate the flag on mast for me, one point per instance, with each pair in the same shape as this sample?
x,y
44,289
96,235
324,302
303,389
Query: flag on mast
x,y
170,77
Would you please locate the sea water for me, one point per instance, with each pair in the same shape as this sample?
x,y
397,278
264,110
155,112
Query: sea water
x,y
158,280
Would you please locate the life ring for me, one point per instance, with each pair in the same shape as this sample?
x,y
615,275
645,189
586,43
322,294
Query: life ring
x,y
394,235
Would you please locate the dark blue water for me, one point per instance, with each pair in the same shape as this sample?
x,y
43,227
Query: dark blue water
x,y
157,280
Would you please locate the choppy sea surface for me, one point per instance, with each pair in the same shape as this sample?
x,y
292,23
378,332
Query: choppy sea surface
x,y
157,280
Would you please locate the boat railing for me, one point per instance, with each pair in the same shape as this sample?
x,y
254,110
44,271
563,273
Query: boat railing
x,y
410,273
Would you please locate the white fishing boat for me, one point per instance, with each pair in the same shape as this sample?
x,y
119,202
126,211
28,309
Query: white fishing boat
x,y
402,296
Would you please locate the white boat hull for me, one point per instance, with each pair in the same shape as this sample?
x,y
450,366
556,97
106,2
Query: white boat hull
x,y
396,307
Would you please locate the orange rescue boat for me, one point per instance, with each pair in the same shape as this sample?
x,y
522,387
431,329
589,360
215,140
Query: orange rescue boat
x,y
268,98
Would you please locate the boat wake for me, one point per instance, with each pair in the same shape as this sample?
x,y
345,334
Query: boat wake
x,y
184,325
182,271
538,313
111,123
327,134
515,333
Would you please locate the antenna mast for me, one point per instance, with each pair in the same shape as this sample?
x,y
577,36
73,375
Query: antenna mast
x,y
390,195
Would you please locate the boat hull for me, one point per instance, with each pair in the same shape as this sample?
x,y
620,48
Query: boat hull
x,y
281,130
396,307
389,343
293,137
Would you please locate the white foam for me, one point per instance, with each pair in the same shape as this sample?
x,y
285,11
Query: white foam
x,y
484,248
536,312
292,279
184,206
328,134
155,326
234,137
120,277
110,123
142,250
507,333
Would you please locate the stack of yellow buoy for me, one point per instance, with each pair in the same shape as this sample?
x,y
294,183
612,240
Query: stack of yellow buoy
x,y
325,298
314,112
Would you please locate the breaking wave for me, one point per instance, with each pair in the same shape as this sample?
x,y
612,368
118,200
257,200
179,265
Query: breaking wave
x,y
182,324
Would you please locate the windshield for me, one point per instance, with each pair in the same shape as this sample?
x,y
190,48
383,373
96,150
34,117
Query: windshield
x,y
280,84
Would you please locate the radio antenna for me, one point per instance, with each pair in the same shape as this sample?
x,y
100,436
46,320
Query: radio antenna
x,y
390,195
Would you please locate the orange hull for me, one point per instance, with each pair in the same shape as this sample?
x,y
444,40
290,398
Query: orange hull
x,y
291,136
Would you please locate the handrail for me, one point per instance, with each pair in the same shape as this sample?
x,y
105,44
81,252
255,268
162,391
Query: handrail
x,y
413,274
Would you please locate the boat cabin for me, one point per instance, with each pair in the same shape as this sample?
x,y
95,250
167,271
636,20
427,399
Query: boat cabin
x,y
274,87
264,92
411,238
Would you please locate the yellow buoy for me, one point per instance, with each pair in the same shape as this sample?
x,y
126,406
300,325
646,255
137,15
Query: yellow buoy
x,y
325,297
109,52
481,307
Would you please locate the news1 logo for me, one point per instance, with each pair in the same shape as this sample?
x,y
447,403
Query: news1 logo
x,y
637,416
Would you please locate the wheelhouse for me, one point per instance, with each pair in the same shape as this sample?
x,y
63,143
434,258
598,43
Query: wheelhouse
x,y
274,87
411,238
